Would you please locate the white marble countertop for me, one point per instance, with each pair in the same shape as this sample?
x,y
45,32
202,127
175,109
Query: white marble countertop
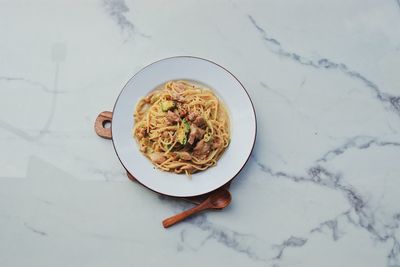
x,y
321,189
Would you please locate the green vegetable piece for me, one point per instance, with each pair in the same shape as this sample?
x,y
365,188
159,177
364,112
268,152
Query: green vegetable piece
x,y
186,125
167,105
183,130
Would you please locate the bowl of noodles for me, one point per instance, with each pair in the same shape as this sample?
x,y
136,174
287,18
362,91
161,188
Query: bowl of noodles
x,y
183,126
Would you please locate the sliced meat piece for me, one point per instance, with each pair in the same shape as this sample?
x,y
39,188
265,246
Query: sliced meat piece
x,y
182,112
158,157
172,116
191,138
192,116
195,132
177,97
217,143
141,132
165,134
199,121
202,149
200,133
179,86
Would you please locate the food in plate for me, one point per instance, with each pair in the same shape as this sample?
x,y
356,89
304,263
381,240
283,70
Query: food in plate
x,y
182,127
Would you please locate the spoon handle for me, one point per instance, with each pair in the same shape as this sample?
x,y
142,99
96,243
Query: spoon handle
x,y
183,215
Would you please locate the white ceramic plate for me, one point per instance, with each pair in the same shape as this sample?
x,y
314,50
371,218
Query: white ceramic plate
x,y
230,91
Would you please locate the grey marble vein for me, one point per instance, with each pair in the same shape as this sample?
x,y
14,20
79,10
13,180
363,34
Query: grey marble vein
x,y
291,242
276,92
393,257
49,120
239,242
108,238
391,102
358,142
44,201
34,230
243,243
18,132
117,9
285,99
39,85
108,175
332,225
54,95
303,82
365,216
247,244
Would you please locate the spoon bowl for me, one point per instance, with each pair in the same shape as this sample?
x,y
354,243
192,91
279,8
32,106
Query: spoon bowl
x,y
220,200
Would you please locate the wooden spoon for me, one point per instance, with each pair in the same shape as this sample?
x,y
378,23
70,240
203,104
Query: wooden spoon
x,y
217,200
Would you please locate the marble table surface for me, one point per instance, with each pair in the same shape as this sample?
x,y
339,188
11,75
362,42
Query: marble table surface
x,y
322,187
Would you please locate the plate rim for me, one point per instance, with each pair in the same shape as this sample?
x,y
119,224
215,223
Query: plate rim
x,y
252,106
